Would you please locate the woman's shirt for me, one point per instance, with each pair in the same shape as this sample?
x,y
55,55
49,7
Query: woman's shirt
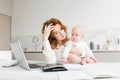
x,y
52,55
59,52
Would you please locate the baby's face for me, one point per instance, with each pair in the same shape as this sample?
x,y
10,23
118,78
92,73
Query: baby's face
x,y
76,35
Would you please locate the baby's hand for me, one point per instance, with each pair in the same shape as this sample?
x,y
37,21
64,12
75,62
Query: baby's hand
x,y
64,60
91,60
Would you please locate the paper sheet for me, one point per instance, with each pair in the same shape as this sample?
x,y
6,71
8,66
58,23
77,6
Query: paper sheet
x,y
72,75
73,66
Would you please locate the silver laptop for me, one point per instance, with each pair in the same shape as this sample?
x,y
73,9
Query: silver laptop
x,y
21,59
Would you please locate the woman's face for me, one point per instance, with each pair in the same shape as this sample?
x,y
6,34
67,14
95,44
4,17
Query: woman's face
x,y
58,33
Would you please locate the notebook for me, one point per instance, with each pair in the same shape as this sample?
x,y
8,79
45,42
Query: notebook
x,y
54,67
21,59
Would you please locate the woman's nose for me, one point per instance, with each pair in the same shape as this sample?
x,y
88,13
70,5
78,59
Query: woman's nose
x,y
62,32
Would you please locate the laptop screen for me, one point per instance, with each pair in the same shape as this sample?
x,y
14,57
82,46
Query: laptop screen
x,y
19,54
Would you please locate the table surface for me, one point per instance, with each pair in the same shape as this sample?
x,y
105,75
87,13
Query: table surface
x,y
94,51
75,72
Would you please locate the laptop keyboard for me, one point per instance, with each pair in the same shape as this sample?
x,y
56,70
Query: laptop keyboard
x,y
34,66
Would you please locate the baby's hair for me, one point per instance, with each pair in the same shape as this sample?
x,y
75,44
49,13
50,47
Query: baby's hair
x,y
77,26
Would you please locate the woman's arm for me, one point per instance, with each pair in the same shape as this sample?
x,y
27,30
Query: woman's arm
x,y
47,50
49,53
76,50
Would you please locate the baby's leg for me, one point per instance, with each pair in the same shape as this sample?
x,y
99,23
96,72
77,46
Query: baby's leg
x,y
73,58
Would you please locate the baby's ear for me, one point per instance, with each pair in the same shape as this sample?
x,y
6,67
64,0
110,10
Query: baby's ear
x,y
83,35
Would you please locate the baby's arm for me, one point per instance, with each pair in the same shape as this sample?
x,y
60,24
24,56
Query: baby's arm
x,y
91,58
66,51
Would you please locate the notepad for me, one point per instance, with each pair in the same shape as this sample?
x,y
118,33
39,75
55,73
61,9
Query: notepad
x,y
54,67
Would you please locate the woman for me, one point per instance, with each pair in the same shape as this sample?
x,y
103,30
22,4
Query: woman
x,y
54,39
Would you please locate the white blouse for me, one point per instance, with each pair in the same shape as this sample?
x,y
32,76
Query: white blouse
x,y
52,55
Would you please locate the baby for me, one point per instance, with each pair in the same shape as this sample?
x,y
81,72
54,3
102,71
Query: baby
x,y
77,40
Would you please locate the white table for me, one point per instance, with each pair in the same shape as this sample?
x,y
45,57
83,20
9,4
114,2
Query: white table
x,y
18,73
5,55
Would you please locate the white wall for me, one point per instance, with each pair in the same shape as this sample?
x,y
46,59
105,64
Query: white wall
x,y
97,16
6,7
5,23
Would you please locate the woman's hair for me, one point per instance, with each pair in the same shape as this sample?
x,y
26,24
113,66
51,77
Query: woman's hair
x,y
52,40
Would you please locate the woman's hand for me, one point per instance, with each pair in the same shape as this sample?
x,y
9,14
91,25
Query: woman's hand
x,y
47,31
76,50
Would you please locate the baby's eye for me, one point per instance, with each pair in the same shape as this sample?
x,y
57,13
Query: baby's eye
x,y
73,34
76,35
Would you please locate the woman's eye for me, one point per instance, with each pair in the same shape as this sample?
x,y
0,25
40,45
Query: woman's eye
x,y
56,33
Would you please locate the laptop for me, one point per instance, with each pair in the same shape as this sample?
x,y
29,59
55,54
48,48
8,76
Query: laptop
x,y
21,59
